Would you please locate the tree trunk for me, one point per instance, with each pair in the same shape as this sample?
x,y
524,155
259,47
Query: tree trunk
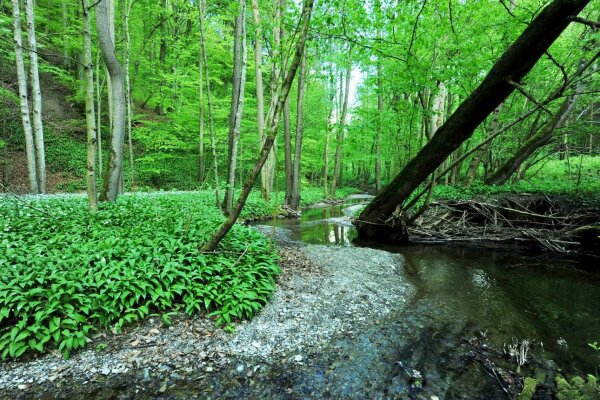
x,y
36,97
295,198
273,123
287,148
24,101
337,167
379,123
376,222
211,123
237,102
538,140
90,117
99,115
128,95
66,40
478,156
114,171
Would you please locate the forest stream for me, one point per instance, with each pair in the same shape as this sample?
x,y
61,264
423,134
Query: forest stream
x,y
353,321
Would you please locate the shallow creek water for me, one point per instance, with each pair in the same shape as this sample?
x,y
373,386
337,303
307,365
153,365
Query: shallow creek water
x,y
469,300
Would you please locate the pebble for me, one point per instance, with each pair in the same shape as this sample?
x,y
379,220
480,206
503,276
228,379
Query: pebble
x,y
298,358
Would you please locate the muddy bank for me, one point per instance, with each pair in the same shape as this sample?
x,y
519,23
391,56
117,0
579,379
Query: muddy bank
x,y
324,294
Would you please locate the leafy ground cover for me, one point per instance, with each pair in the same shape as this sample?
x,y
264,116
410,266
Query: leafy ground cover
x,y
66,273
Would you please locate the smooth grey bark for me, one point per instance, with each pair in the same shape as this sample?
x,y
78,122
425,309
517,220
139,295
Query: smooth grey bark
x,y
128,100
295,192
36,97
377,221
90,117
211,123
114,172
273,123
260,96
237,102
24,99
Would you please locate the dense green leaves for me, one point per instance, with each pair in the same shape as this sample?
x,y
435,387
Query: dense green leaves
x,y
66,273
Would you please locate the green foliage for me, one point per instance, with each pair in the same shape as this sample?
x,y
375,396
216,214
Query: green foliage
x,y
66,272
528,388
577,388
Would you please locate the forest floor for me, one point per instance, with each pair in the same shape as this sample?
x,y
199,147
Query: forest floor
x,y
322,292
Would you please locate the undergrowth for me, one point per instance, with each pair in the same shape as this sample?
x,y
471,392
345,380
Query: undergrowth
x,y
66,273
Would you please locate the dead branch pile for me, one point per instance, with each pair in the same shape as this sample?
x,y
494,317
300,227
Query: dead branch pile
x,y
539,221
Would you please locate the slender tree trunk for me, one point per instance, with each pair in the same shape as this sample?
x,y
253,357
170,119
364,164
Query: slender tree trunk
x,y
24,101
201,153
90,118
478,156
377,220
260,97
538,140
273,123
337,167
128,94
211,123
379,123
112,181
66,40
295,198
287,149
99,87
36,97
237,102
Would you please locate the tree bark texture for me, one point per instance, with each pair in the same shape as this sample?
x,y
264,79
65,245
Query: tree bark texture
x,y
375,221
237,102
36,97
90,116
295,195
112,181
24,99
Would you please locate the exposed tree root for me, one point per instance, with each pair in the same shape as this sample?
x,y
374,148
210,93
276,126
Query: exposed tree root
x,y
554,225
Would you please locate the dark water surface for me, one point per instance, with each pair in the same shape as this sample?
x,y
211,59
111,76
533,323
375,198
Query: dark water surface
x,y
470,303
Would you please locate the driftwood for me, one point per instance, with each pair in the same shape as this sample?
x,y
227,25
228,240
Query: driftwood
x,y
549,224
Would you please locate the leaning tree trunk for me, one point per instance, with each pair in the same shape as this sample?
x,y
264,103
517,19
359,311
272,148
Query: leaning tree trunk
x,y
36,97
112,180
376,221
295,195
273,123
237,102
537,141
24,101
90,117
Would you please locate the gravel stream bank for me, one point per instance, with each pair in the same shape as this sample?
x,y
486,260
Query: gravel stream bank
x,y
324,293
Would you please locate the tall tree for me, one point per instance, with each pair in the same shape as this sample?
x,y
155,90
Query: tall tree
x,y
295,192
273,123
36,97
24,99
128,100
237,101
211,124
114,172
89,110
377,221
342,116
